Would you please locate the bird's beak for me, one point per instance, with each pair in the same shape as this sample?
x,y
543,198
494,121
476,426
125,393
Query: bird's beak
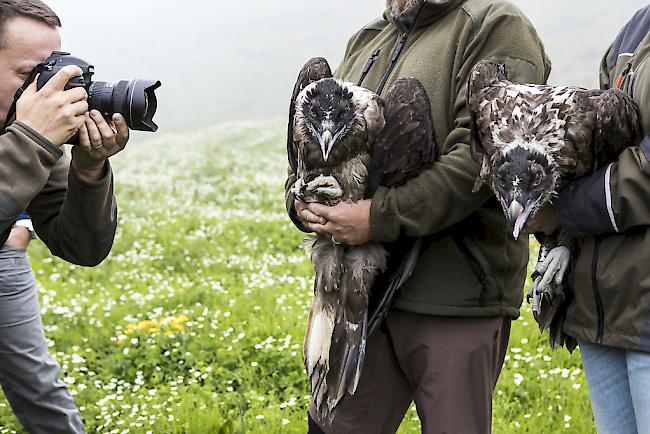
x,y
326,140
518,215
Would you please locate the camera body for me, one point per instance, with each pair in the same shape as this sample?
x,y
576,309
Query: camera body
x,y
134,99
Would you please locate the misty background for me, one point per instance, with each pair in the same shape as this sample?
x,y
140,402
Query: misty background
x,y
222,61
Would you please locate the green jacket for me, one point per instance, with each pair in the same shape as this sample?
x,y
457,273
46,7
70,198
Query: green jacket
x,y
470,265
610,276
74,218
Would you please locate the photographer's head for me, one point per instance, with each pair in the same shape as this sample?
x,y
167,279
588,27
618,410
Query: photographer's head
x,y
28,35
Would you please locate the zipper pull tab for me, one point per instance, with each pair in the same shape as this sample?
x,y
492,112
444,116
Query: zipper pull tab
x,y
624,74
371,60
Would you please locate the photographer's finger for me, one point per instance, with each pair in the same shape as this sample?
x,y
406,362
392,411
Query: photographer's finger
x,y
93,133
122,129
84,138
102,126
79,108
31,89
62,77
75,95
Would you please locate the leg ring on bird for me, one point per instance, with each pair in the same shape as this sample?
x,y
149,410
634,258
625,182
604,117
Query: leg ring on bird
x,y
334,239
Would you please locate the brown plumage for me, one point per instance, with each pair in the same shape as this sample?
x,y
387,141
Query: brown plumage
x,y
344,142
532,140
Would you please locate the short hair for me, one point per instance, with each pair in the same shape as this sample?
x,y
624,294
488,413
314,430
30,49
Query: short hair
x,y
34,9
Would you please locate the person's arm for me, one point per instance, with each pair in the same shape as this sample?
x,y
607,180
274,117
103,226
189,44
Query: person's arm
x,y
75,218
442,195
614,199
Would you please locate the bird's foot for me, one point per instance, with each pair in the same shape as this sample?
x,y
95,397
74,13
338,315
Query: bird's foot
x,y
296,189
548,277
324,187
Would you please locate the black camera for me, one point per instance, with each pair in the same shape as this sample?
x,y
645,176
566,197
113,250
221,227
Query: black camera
x,y
134,99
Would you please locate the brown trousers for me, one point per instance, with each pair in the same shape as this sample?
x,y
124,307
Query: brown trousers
x,y
448,366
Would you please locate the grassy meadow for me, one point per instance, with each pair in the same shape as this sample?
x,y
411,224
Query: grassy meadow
x,y
195,322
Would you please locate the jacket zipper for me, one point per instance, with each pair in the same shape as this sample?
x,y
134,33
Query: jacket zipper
x,y
599,302
366,69
397,52
476,265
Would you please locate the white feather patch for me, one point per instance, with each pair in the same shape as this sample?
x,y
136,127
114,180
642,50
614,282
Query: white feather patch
x,y
320,339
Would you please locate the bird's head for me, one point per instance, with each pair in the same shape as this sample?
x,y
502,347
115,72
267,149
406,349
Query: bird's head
x,y
523,182
329,113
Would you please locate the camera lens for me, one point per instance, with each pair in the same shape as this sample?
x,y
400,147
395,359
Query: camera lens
x,y
134,99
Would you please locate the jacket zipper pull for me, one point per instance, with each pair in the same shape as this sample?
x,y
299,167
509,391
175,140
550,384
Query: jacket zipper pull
x,y
624,74
366,69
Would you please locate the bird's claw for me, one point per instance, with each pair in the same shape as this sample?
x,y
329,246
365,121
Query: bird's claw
x,y
548,277
297,188
325,186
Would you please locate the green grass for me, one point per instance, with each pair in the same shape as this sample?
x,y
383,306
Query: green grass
x,y
195,322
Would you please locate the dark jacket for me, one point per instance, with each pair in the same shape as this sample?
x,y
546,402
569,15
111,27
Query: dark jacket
x,y
470,265
75,219
610,276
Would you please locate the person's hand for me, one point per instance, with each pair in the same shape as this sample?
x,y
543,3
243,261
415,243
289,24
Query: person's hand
x,y
347,223
52,112
18,238
544,221
98,140
305,216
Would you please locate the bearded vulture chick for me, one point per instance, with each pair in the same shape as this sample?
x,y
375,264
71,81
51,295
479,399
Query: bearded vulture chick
x,y
532,140
345,141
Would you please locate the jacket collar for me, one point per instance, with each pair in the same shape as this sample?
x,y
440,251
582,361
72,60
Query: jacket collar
x,y
433,10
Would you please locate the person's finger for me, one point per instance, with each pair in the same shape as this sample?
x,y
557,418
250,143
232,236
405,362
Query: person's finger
x,y
321,210
122,129
84,139
79,108
104,128
31,89
93,133
60,79
74,95
310,217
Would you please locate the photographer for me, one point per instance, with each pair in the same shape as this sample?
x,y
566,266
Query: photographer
x,y
70,202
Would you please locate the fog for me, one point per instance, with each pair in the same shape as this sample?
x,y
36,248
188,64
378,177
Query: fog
x,y
221,61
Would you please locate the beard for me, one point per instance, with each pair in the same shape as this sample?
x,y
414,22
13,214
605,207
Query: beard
x,y
403,11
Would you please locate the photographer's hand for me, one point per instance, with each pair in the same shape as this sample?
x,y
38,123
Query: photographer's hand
x,y
52,112
98,140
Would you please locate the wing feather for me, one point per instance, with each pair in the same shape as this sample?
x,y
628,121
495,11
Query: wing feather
x,y
314,70
407,143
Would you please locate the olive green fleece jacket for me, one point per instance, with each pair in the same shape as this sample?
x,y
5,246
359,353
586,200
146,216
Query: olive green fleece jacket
x,y
74,218
470,265
610,276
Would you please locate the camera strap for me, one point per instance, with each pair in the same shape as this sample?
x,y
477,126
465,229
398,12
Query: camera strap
x,y
20,91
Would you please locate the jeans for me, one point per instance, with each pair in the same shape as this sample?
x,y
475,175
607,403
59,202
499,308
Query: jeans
x,y
619,386
29,375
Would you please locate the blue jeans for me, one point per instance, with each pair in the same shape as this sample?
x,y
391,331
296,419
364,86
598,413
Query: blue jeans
x,y
29,375
619,386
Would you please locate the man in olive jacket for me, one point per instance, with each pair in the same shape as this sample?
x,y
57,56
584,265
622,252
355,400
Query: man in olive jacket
x,y
70,202
610,276
444,342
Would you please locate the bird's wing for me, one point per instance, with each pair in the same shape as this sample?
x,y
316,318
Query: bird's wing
x,y
487,82
617,125
407,143
406,147
314,70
